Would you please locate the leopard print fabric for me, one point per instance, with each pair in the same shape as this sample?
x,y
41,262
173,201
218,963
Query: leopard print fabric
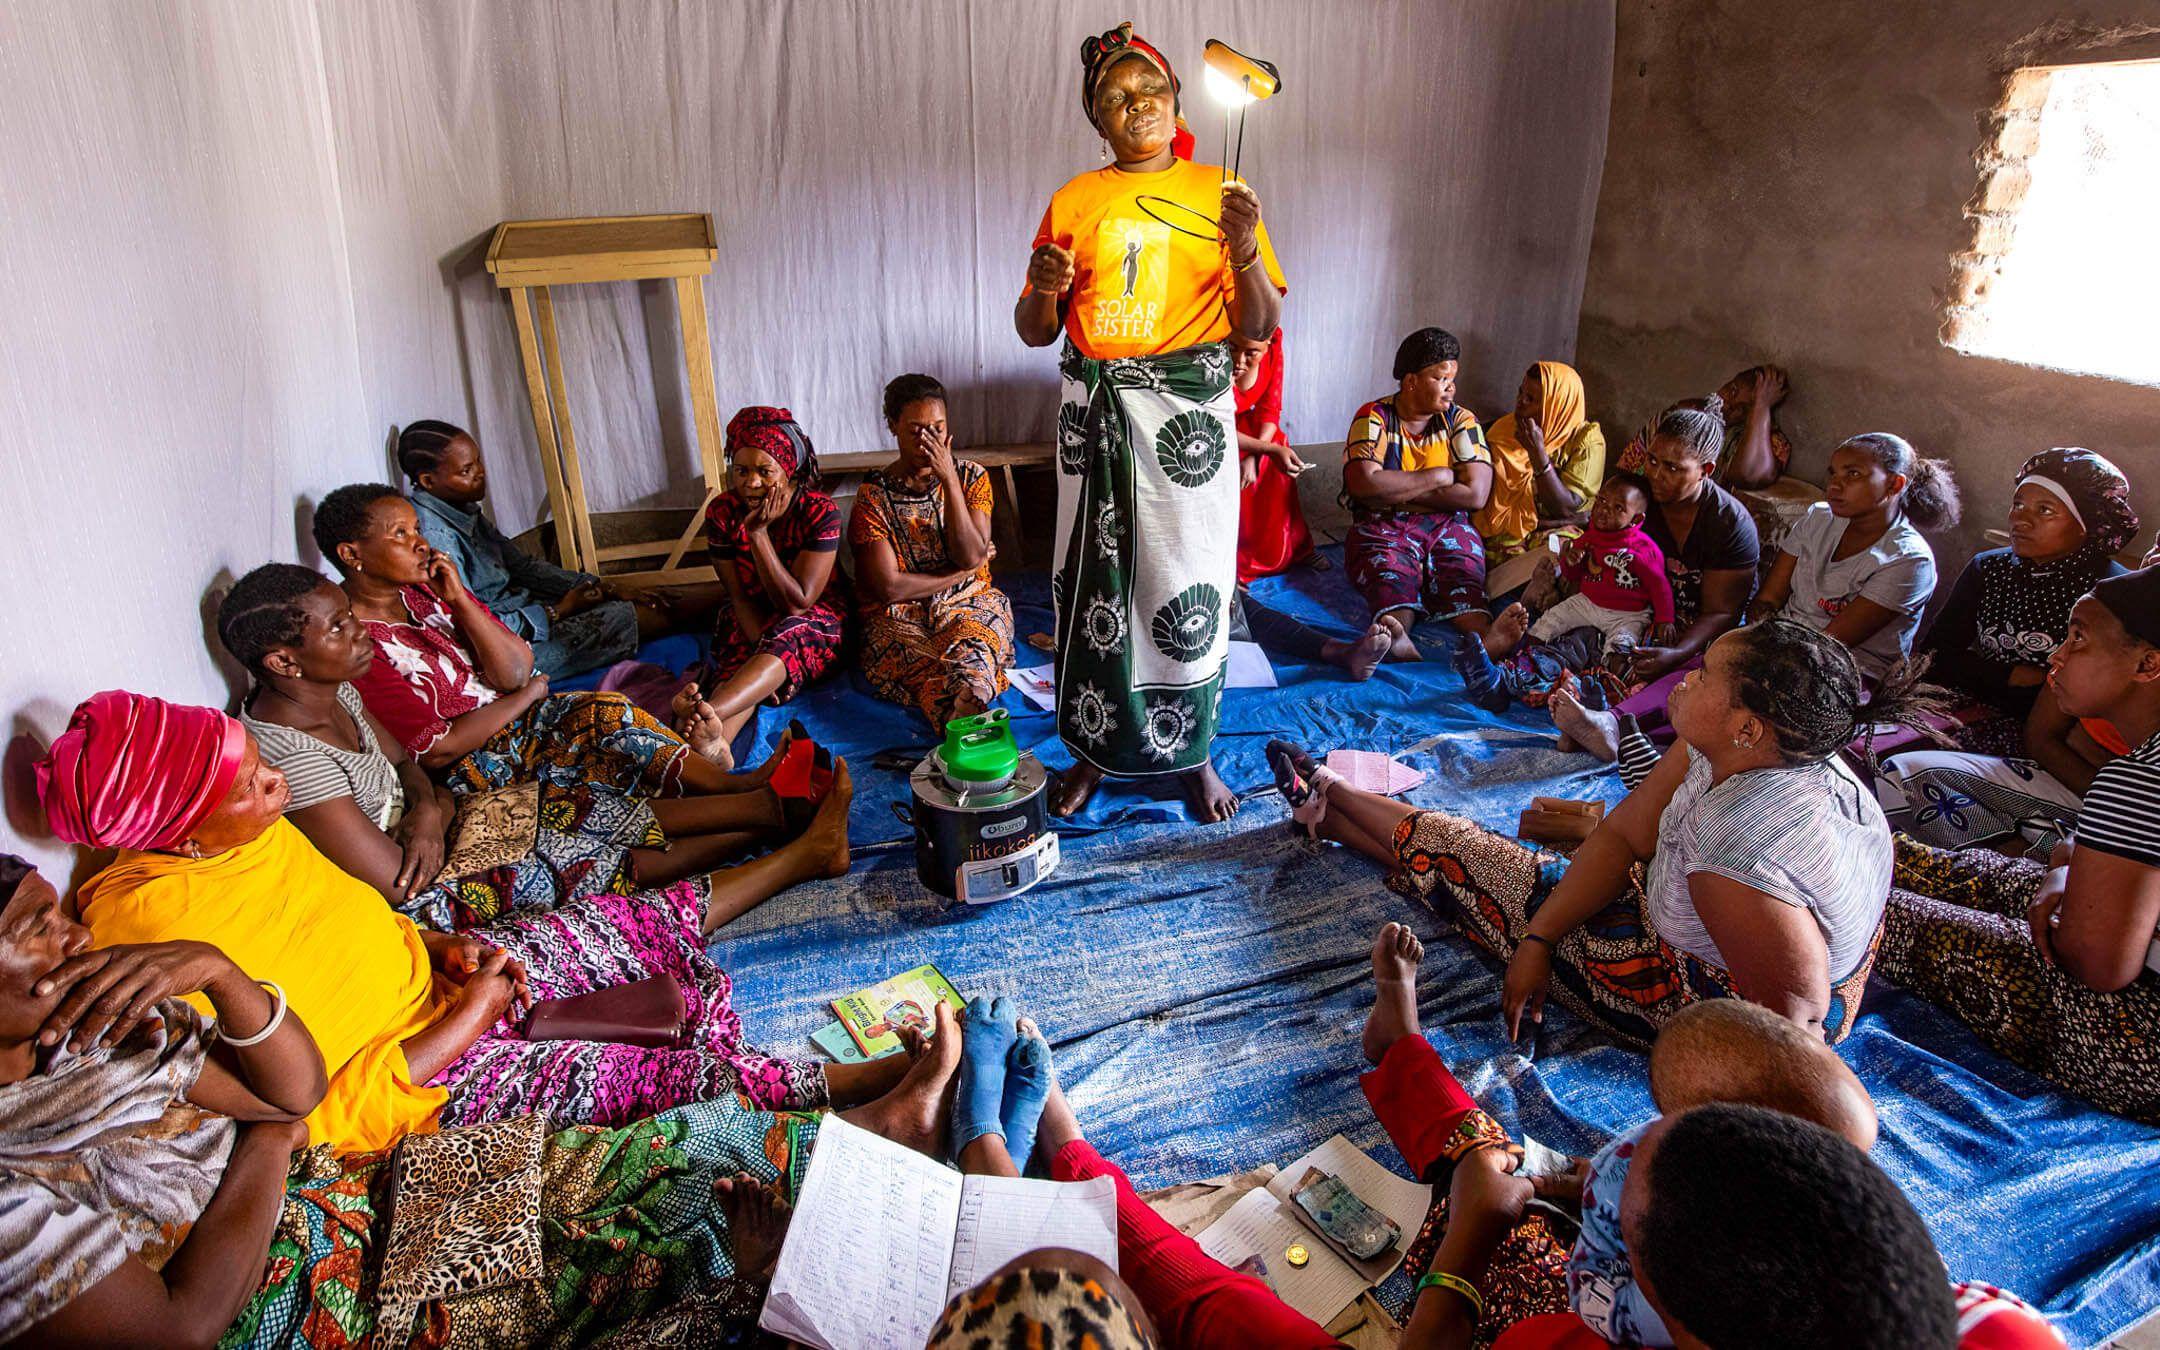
x,y
1957,936
1042,1309
466,1223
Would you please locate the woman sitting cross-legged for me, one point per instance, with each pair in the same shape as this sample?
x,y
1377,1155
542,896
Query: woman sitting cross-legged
x,y
2058,966
2022,763
458,691
1856,566
417,1028
1768,866
775,541
371,810
145,1196
937,634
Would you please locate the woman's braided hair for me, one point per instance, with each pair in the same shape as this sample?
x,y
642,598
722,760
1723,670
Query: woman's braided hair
x,y
1700,428
262,613
420,446
1807,686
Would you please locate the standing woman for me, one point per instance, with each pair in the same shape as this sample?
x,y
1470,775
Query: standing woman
x,y
775,539
1146,295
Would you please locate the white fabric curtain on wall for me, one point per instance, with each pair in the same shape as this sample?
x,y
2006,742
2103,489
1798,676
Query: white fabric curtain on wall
x,y
244,241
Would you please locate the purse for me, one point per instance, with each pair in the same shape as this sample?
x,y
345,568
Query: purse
x,y
651,1012
493,829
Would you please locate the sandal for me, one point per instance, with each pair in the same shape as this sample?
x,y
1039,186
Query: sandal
x,y
802,780
1302,783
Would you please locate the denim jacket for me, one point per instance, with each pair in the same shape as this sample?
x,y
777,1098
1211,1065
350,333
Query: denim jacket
x,y
516,585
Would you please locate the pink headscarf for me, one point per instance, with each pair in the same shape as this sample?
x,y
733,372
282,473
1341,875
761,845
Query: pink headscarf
x,y
137,772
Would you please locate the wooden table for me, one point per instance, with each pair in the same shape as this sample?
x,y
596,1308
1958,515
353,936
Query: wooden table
x,y
530,257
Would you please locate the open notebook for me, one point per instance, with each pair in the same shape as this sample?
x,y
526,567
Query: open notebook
x,y
883,1237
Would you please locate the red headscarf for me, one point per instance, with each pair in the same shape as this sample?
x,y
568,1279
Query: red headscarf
x,y
137,772
776,432
1098,54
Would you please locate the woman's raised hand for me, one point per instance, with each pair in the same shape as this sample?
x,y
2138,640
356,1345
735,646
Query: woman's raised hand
x,y
1531,433
1240,221
443,578
936,443
109,992
1529,971
1769,387
1050,270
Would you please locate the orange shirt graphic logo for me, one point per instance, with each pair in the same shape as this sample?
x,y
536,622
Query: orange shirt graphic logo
x,y
1132,280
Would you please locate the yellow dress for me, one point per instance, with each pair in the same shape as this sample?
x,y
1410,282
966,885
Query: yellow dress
x,y
354,969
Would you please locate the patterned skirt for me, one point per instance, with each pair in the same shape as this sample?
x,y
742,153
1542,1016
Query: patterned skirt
x,y
932,653
1432,562
597,943
1956,935
628,1232
567,741
806,645
1146,557
1613,970
582,849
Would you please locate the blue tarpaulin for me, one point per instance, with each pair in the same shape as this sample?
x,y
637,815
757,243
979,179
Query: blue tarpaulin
x,y
1204,986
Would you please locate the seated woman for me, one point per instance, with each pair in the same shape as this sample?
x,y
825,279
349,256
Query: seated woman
x,y
1415,468
358,797
457,690
1855,566
158,1128
417,1029
1548,461
1272,534
1711,550
1767,865
1753,451
937,634
2057,966
575,621
775,540
2021,763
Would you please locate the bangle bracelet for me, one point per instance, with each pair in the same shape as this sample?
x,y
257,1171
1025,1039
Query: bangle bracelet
x,y
1540,939
277,1019
1440,1279
1247,265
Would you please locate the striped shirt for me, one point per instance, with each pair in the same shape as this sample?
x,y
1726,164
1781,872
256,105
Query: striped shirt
x,y
319,772
1809,836
2121,811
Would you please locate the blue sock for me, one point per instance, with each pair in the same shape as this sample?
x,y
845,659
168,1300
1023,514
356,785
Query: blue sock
x,y
1028,1079
1480,677
985,1042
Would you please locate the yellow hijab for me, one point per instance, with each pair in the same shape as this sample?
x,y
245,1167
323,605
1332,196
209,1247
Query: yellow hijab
x,y
1511,515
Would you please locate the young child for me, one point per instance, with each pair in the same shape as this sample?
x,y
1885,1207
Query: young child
x,y
1614,574
575,622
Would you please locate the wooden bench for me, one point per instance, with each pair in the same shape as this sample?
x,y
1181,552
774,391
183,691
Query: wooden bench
x,y
1005,523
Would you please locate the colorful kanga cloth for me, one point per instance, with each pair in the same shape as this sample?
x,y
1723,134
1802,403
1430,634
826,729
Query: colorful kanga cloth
x,y
102,1161
632,1245
566,742
807,644
424,676
353,969
1574,444
1146,557
933,651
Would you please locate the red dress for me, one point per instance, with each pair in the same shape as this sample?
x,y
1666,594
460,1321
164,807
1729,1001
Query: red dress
x,y
1271,524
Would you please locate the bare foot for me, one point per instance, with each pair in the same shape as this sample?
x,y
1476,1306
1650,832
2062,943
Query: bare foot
x,y
827,837
1400,647
757,1223
1364,656
1074,789
1585,728
1059,1127
1207,799
1395,956
1506,633
915,1113
705,732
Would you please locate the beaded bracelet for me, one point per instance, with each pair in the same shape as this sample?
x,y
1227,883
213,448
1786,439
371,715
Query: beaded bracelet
x,y
277,1019
1247,265
1440,1279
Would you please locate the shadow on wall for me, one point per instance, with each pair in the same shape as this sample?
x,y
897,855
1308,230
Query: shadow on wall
x,y
461,267
28,740
230,671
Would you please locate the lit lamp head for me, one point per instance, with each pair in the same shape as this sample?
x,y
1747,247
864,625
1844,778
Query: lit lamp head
x,y
1236,79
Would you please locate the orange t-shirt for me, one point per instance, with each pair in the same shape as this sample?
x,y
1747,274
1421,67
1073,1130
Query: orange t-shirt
x,y
1141,288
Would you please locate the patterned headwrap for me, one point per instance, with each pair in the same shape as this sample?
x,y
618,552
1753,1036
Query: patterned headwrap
x,y
2096,491
2134,598
137,772
776,432
1098,54
12,872
1039,1305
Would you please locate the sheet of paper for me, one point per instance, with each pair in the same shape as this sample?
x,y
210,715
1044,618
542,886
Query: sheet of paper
x,y
867,1255
1260,1224
1038,684
1005,1217
1249,668
1400,1199
1374,772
